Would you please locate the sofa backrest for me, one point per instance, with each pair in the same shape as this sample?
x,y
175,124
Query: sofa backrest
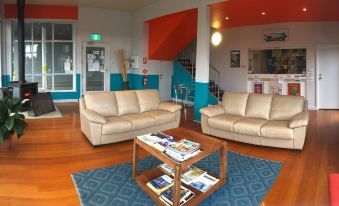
x,y
148,99
263,106
286,107
259,106
234,103
127,102
104,103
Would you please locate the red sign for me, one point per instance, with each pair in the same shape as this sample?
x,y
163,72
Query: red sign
x,y
144,71
144,60
294,89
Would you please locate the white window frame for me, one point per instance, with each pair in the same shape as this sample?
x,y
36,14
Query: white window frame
x,y
9,54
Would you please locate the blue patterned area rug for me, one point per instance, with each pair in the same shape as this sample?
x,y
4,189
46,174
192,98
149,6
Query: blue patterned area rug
x,y
249,180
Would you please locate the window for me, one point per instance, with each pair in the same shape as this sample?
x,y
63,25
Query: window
x,y
48,54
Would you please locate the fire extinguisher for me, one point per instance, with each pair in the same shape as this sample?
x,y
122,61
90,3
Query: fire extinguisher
x,y
145,81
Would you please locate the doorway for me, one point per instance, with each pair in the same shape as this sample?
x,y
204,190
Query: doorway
x,y
95,63
328,76
165,76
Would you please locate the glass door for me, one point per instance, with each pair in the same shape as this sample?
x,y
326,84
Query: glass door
x,y
95,67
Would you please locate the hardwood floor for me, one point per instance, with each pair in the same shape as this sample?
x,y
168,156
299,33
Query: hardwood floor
x,y
37,170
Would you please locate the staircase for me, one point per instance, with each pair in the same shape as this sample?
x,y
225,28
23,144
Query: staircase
x,y
187,59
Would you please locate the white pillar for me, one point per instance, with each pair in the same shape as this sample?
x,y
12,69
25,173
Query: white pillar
x,y
44,59
202,60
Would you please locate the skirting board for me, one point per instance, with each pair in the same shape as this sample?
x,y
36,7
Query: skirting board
x,y
65,100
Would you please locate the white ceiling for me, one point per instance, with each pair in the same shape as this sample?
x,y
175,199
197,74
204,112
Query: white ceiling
x,y
116,5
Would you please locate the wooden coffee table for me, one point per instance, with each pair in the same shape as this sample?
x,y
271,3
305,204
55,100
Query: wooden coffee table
x,y
208,144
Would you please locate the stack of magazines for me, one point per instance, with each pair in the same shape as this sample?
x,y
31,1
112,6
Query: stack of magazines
x,y
185,196
160,184
158,140
182,150
187,176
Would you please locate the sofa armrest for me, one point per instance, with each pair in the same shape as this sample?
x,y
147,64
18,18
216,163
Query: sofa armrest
x,y
170,107
299,120
93,116
212,111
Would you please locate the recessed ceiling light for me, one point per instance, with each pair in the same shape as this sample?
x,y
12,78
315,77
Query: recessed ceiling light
x,y
263,13
304,9
227,18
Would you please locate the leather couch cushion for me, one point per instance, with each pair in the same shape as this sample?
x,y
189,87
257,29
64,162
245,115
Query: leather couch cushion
x,y
249,126
259,106
148,99
235,103
140,121
223,122
127,102
116,125
277,129
161,117
103,103
286,107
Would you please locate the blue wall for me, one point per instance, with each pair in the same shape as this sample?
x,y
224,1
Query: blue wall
x,y
135,81
116,82
5,79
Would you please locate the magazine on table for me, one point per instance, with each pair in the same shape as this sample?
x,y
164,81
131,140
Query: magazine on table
x,y
187,176
183,147
157,140
185,196
180,158
204,182
160,184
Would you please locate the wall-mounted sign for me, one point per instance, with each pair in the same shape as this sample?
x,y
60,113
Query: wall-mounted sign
x,y
95,37
235,59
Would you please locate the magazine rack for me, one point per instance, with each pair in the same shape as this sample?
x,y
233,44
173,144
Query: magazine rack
x,y
208,146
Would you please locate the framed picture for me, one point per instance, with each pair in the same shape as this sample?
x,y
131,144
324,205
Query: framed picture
x,y
277,35
258,87
275,88
293,89
235,59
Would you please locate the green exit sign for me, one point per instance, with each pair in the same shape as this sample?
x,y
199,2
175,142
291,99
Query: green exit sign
x,y
96,37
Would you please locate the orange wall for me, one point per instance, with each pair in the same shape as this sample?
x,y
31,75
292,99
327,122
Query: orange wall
x,y
169,34
43,11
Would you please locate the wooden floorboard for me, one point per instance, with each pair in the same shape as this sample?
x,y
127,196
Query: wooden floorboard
x,y
37,170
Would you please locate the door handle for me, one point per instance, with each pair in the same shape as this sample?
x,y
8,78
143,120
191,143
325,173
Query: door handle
x,y
320,78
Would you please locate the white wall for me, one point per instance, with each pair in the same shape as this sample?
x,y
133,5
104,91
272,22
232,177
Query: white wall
x,y
301,35
115,30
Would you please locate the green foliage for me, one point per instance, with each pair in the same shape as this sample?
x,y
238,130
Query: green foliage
x,y
11,121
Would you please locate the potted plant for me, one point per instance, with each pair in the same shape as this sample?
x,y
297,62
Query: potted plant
x,y
11,121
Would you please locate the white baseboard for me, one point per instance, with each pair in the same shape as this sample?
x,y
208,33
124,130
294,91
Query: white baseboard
x,y
65,100
312,108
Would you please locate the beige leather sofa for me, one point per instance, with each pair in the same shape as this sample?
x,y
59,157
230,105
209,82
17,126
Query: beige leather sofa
x,y
261,119
108,117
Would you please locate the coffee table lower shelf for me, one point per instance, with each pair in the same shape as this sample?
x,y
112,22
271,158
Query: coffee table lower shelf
x,y
153,173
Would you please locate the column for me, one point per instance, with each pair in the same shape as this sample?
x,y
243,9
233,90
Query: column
x,y
202,61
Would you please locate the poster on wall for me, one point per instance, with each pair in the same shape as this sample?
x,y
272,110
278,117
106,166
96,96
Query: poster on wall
x,y
258,87
235,59
276,35
293,89
275,88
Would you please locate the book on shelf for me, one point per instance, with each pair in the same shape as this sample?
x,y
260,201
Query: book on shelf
x,y
204,182
160,184
187,176
158,140
185,196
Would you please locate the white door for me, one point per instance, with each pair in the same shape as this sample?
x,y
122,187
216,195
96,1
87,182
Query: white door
x,y
165,79
328,76
95,72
